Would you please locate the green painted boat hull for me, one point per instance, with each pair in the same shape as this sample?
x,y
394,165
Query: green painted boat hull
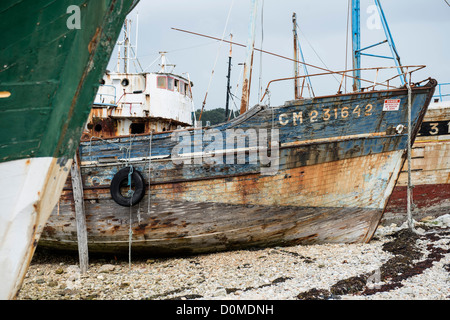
x,y
53,55
52,72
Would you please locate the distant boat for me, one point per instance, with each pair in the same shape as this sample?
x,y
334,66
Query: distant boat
x,y
430,167
316,170
53,54
137,103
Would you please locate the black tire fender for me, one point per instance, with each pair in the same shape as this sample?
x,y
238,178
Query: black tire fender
x,y
120,179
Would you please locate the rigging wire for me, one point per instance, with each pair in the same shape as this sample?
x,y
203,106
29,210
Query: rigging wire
x,y
447,3
217,58
235,94
209,43
308,84
315,52
260,53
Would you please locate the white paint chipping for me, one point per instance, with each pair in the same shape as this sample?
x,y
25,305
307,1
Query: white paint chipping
x,y
29,189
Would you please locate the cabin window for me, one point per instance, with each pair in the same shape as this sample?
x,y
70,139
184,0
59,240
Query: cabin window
x,y
186,88
125,82
182,88
162,82
137,128
170,83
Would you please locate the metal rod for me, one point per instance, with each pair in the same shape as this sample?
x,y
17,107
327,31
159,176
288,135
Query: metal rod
x,y
294,30
305,70
344,72
409,189
374,45
390,40
229,79
256,49
247,80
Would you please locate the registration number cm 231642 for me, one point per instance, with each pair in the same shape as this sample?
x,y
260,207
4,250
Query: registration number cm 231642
x,y
325,114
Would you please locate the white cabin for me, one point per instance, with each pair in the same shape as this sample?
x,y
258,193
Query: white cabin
x,y
137,103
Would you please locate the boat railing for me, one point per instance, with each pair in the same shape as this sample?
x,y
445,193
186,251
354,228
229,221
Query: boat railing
x,y
442,87
102,96
374,84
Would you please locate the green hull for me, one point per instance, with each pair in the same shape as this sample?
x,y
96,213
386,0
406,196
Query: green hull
x,y
49,73
49,76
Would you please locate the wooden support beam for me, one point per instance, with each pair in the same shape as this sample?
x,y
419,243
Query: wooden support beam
x,y
77,187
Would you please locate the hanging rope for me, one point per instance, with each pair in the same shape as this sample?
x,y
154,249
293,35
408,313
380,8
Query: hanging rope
x,y
121,148
410,187
130,195
149,166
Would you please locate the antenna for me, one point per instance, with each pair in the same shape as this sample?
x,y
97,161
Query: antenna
x,y
164,63
129,50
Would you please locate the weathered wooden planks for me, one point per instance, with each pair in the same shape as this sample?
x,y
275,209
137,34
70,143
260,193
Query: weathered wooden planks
x,y
430,171
337,161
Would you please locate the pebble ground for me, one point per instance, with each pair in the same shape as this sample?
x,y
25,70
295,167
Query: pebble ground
x,y
396,264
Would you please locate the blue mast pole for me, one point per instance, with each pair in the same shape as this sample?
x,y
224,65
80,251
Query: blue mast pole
x,y
358,52
356,36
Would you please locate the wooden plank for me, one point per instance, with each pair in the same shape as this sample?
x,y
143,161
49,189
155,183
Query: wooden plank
x,y
77,188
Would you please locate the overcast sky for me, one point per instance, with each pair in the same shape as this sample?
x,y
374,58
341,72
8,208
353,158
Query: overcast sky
x,y
421,31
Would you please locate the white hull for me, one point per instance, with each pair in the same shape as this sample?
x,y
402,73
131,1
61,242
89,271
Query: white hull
x,y
29,190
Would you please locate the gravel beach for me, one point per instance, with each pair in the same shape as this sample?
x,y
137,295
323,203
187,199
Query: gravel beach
x,y
396,264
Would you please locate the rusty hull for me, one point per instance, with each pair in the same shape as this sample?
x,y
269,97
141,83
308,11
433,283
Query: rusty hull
x,y
430,171
338,164
254,211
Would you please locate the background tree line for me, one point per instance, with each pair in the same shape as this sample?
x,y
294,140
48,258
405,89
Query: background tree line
x,y
214,116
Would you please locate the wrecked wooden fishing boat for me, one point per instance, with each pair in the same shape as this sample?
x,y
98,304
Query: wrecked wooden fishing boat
x,y
53,54
430,168
317,170
314,170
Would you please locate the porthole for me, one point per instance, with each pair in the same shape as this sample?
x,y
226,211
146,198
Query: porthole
x,y
98,127
125,82
137,128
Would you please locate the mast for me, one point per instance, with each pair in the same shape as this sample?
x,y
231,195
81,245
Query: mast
x,y
356,36
163,61
358,52
298,52
249,61
125,47
294,30
229,77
